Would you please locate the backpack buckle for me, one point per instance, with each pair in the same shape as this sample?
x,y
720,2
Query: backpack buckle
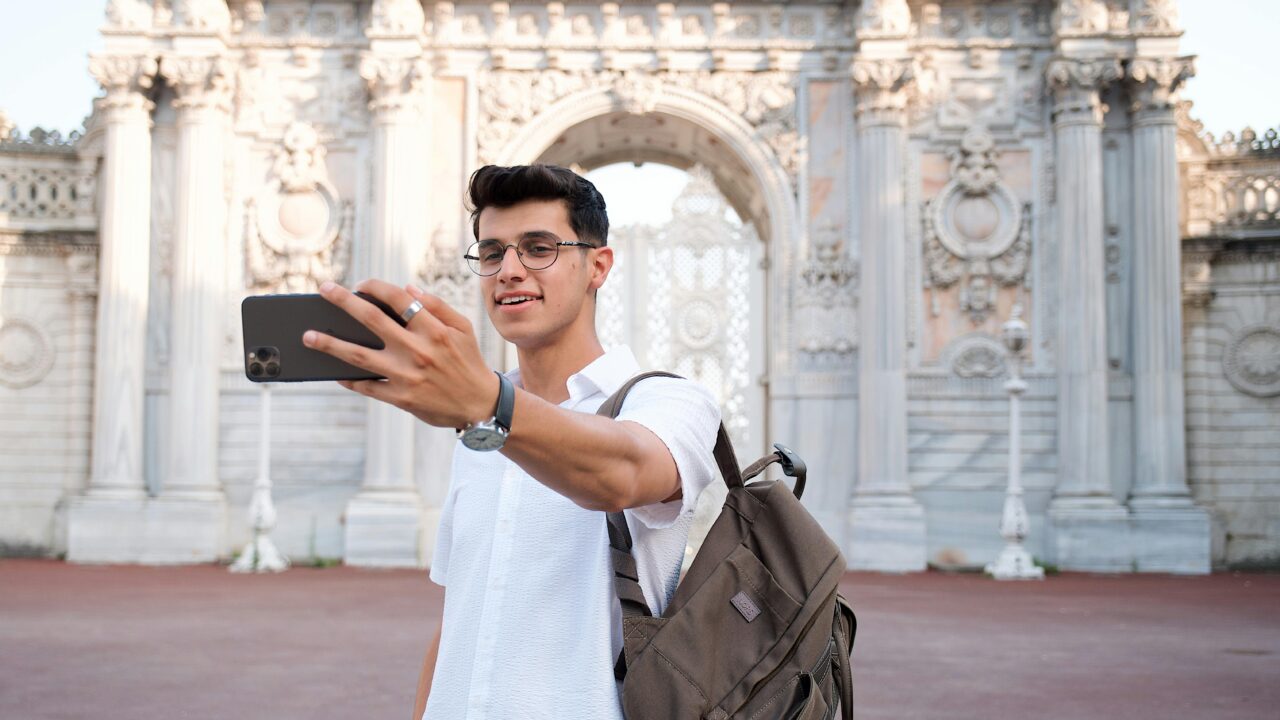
x,y
792,466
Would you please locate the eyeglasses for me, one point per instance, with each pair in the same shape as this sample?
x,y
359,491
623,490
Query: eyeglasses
x,y
535,253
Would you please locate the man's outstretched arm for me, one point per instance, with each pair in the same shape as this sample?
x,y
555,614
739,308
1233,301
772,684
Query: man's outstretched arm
x,y
435,371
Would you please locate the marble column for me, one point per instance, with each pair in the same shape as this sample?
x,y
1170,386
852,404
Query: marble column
x,y
99,523
1170,533
1088,529
190,487
886,524
384,523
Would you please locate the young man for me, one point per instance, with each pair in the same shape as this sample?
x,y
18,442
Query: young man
x,y
531,624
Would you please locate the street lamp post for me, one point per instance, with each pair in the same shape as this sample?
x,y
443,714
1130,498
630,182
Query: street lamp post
x,y
1014,562
261,555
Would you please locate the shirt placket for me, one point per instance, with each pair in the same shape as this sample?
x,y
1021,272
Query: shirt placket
x,y
495,592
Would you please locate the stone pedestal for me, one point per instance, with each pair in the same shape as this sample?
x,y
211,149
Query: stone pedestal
x,y
1087,527
151,531
384,529
886,524
384,521
1170,533
1090,534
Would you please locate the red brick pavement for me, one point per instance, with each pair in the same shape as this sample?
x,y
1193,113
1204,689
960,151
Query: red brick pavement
x,y
340,643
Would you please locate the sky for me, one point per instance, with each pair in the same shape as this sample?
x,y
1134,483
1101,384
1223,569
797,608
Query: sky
x,y
44,81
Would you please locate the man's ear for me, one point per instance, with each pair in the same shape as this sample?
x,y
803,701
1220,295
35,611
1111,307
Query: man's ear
x,y
601,264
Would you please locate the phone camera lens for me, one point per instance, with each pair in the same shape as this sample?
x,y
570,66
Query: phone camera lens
x,y
255,369
273,369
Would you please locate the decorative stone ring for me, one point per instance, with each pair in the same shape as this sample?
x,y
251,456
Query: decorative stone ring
x,y
414,308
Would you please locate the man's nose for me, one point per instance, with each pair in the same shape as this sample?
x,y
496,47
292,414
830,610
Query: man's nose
x,y
512,269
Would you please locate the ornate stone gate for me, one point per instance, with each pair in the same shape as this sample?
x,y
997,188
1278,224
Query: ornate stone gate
x,y
911,170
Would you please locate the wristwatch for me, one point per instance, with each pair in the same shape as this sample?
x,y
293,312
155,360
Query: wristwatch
x,y
491,434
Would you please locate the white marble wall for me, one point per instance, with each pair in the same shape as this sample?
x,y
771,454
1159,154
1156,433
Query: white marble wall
x,y
1233,436
46,352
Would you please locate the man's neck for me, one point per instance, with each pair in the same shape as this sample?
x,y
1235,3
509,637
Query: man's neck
x,y
545,370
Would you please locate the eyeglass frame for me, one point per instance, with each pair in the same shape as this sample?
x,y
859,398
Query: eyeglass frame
x,y
519,256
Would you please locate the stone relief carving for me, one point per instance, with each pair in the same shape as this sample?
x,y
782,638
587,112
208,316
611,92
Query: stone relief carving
x,y
975,231
1082,17
297,231
975,356
129,14
397,17
125,78
882,88
881,18
828,297
767,101
26,352
1154,16
210,15
395,83
1251,360
444,274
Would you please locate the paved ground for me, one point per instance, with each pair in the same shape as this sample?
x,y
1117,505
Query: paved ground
x,y
338,643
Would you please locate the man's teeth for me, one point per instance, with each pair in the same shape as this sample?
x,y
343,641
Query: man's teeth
x,y
514,300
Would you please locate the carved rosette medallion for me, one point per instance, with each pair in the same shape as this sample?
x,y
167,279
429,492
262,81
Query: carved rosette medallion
x,y
975,231
26,353
297,230
1251,360
510,99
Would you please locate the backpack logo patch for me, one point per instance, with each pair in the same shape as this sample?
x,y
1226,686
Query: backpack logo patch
x,y
745,606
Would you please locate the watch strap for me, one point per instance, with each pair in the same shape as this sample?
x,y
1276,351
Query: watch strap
x,y
506,402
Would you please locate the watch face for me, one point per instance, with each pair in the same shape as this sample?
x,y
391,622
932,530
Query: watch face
x,y
483,438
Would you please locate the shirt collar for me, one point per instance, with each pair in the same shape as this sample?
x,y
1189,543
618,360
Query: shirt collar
x,y
605,374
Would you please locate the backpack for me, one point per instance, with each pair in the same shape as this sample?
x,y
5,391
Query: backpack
x,y
756,629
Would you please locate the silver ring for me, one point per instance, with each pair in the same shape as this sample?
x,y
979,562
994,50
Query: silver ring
x,y
414,308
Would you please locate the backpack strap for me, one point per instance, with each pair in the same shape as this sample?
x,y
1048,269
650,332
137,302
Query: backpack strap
x,y
625,574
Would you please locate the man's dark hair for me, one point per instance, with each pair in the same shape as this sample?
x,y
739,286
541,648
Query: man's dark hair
x,y
497,186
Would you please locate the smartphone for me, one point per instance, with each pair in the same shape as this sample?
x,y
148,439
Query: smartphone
x,y
273,328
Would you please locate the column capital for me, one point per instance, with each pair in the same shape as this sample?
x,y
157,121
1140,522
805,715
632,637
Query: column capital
x,y
1154,84
201,82
881,87
397,85
126,79
1077,84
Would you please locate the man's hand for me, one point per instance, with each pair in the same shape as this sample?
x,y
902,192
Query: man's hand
x,y
433,367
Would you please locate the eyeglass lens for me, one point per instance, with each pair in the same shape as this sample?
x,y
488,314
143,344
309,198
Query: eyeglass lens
x,y
534,254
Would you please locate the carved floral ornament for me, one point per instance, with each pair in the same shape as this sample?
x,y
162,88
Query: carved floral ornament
x,y
1155,82
200,82
975,230
509,100
1105,17
297,231
125,78
828,297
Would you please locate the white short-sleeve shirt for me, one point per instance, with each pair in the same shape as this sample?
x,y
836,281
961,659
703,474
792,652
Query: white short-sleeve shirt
x,y
532,626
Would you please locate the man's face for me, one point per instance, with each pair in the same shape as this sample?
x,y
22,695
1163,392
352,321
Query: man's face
x,y
532,308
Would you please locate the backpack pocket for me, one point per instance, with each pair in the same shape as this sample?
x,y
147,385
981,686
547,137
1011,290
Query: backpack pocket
x,y
732,621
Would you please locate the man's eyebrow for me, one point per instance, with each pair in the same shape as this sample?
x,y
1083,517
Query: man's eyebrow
x,y
531,235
